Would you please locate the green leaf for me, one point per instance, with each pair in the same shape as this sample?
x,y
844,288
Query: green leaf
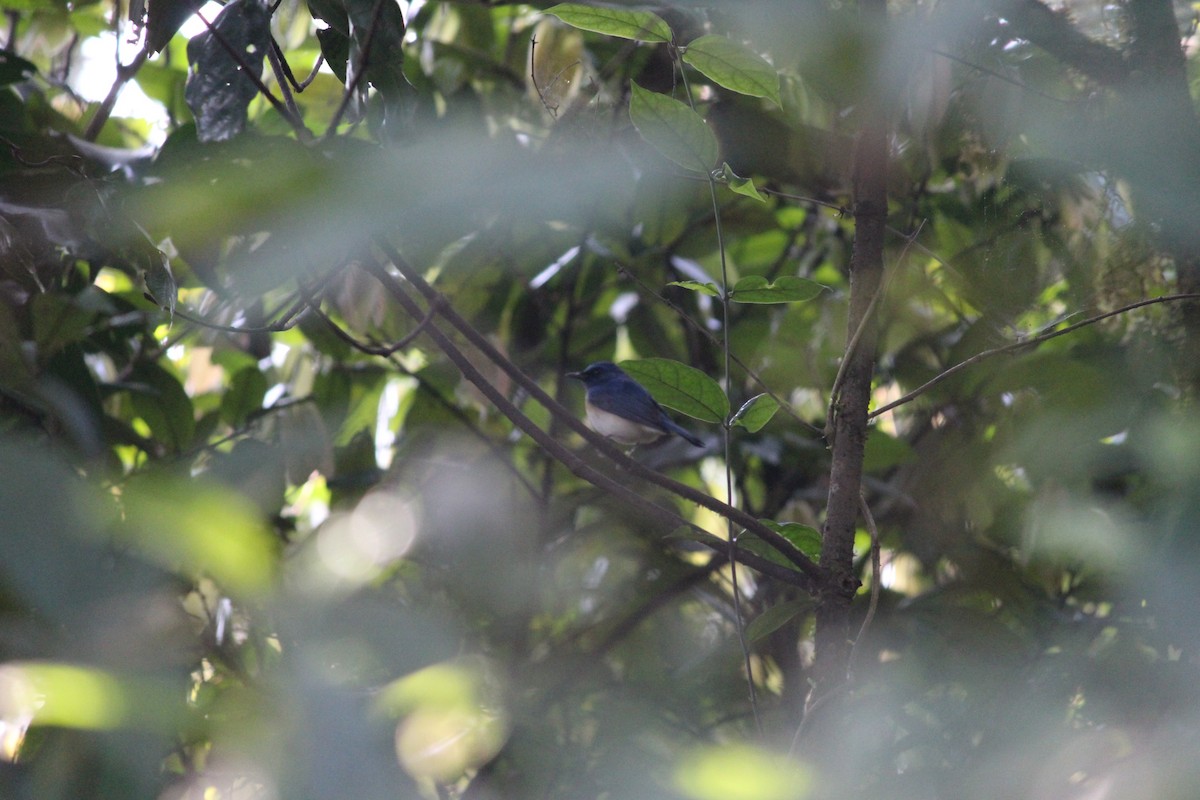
x,y
680,387
709,289
740,185
674,129
788,289
752,543
642,26
244,397
804,538
160,284
163,404
775,618
734,66
756,412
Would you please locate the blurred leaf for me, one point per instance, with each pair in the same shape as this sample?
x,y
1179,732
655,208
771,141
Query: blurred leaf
x,y
683,388
87,698
14,69
786,289
733,66
884,452
739,772
61,320
756,412
200,529
643,26
674,129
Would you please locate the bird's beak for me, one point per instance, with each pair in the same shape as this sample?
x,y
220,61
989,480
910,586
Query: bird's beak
x,y
576,375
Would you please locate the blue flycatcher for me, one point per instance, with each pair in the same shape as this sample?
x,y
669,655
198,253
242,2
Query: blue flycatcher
x,y
621,409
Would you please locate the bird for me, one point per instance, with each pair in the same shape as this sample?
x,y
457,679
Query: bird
x,y
621,409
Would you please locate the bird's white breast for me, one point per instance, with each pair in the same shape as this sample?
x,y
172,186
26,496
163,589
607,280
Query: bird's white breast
x,y
619,429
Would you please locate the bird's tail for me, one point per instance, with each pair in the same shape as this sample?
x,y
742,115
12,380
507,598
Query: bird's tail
x,y
695,440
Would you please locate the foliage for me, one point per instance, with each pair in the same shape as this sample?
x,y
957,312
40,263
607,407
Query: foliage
x,y
292,506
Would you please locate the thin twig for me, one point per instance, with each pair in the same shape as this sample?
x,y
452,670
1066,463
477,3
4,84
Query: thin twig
x,y
369,349
1000,76
285,322
1015,346
876,575
726,427
360,69
283,76
125,73
553,111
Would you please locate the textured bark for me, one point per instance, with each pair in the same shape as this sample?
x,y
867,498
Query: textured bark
x,y
851,404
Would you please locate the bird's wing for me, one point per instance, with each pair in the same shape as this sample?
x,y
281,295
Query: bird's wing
x,y
631,401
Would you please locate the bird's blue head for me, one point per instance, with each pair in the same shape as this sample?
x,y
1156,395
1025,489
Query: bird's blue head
x,y
598,373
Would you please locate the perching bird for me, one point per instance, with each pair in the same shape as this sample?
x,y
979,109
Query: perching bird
x,y
621,409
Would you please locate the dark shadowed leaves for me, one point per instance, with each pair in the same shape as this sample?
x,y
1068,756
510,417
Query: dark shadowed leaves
x,y
219,88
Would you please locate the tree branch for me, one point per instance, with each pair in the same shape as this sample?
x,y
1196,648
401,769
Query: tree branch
x,y
570,460
600,443
1053,32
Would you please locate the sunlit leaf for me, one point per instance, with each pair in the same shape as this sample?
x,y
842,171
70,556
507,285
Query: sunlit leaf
x,y
674,129
200,528
740,185
678,386
739,772
643,26
756,412
81,697
787,289
804,538
709,289
733,66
